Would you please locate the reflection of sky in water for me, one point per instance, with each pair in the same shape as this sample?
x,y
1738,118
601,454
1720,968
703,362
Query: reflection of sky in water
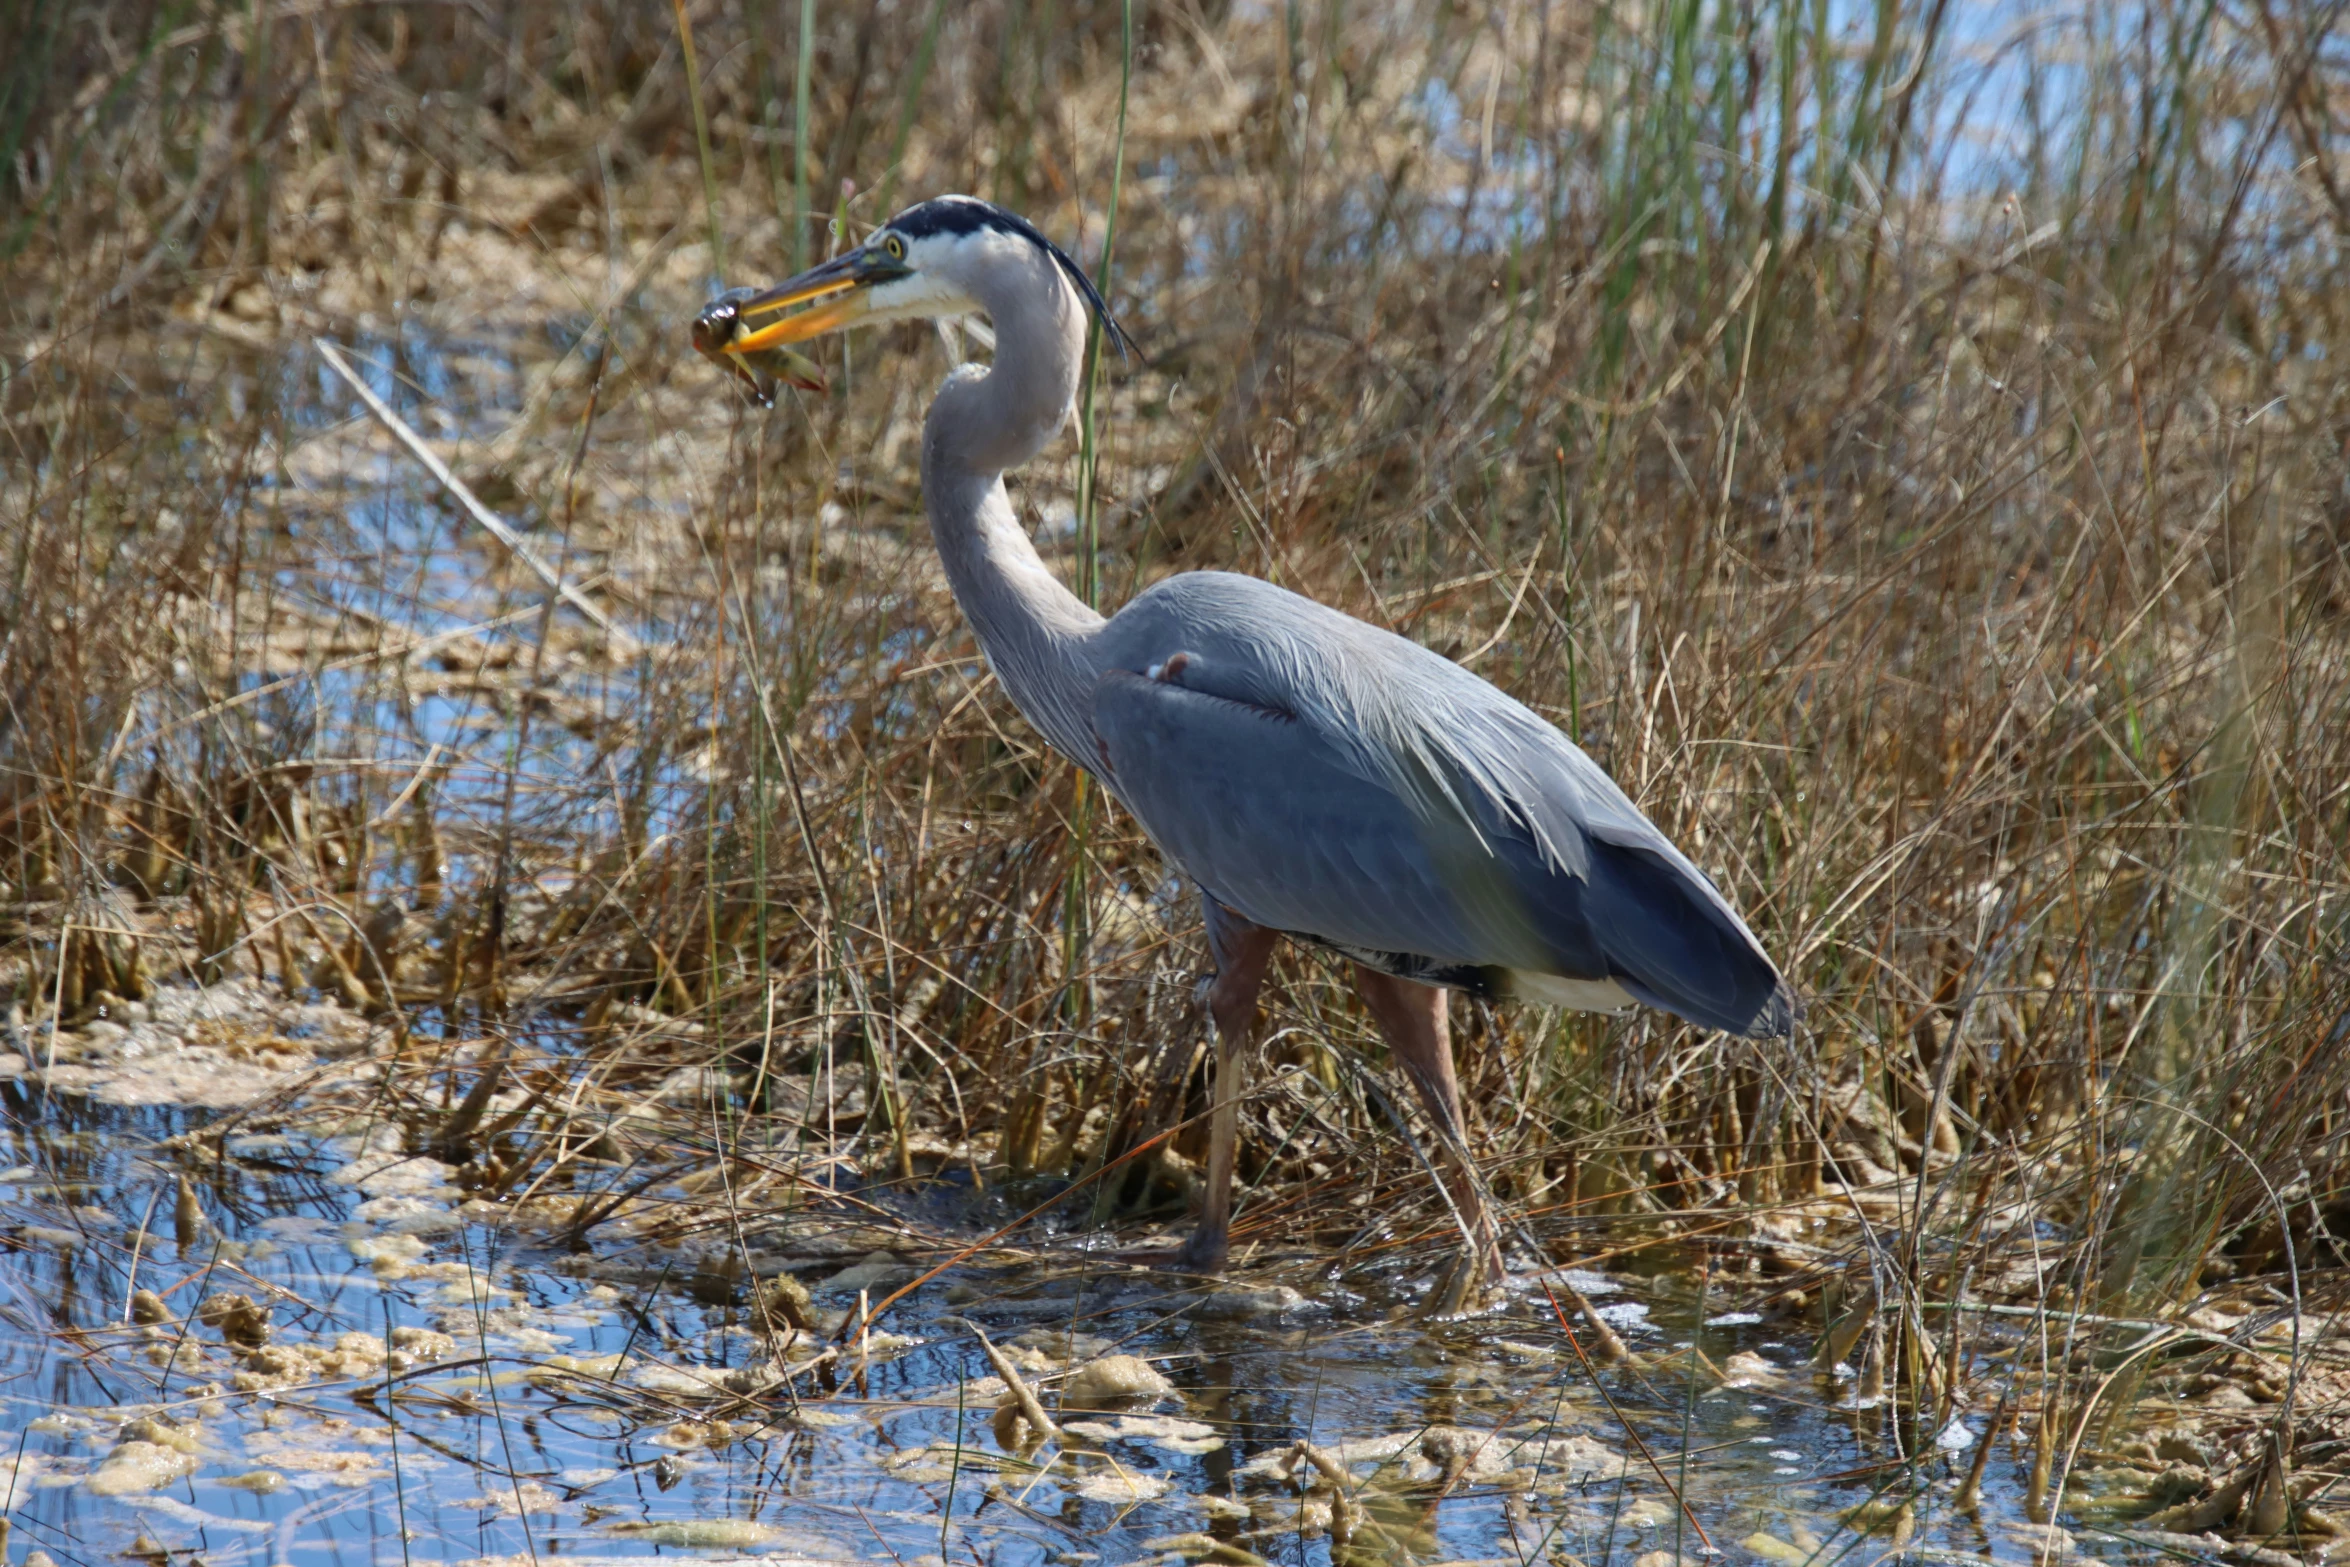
x,y
369,548
425,564
2002,108
855,1470
368,553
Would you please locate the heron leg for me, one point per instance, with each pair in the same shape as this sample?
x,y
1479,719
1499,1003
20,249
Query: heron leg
x,y
1412,1017
1242,951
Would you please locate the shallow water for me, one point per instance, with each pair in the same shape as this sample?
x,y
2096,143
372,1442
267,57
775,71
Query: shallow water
x,y
580,1405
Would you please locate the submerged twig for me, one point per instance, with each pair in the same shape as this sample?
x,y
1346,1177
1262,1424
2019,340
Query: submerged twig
x,y
1023,1396
498,527
989,1239
1629,1429
1609,1344
1343,1513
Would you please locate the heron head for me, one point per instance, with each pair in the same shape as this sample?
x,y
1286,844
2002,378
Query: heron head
x,y
933,260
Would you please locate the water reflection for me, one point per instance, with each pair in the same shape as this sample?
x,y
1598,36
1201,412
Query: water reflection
x,y
439,1389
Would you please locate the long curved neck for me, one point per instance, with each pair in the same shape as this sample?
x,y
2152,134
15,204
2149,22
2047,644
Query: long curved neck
x,y
1039,637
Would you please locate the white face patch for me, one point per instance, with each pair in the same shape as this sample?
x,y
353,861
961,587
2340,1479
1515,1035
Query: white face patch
x,y
937,261
924,296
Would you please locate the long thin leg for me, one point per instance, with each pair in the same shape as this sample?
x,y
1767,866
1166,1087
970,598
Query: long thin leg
x,y
1241,951
1412,1016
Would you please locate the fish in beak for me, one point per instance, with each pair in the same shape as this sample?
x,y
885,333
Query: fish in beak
x,y
825,298
719,333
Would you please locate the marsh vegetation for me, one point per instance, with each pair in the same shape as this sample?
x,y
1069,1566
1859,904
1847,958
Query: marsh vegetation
x,y
1904,444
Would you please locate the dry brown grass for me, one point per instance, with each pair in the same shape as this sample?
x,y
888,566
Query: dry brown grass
x,y
1938,524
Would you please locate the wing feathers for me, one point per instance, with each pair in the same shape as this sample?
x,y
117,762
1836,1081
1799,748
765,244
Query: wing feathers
x,y
1263,813
1675,947
1322,777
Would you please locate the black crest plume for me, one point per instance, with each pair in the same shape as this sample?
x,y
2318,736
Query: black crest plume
x,y
969,215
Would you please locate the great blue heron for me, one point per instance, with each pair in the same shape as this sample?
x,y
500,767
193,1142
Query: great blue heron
x,y
1316,777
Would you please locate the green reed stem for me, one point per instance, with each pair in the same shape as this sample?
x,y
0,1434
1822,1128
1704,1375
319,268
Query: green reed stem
x,y
693,93
920,74
1089,451
1077,903
802,64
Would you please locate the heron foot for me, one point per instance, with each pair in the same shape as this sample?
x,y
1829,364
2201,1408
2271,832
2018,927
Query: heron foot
x,y
1470,1285
1203,1254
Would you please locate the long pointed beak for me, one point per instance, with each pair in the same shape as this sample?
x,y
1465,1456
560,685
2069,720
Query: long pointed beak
x,y
822,299
836,294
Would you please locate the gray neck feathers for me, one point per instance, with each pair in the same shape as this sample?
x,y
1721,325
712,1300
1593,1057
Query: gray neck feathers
x,y
1038,636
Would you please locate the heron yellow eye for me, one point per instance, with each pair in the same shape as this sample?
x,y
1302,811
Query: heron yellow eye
x,y
895,246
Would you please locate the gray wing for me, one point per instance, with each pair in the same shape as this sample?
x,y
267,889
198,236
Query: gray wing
x,y
1670,937
1289,826
1273,822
